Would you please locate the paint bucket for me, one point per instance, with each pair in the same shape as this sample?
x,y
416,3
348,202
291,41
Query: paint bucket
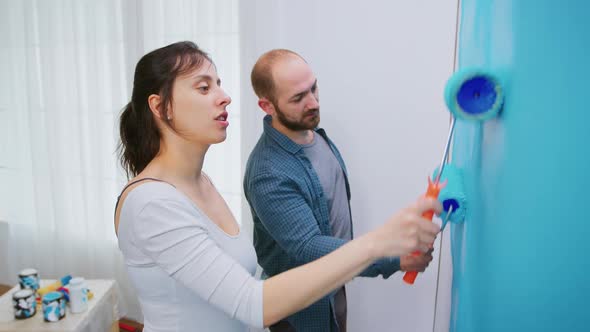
x,y
24,303
29,278
54,306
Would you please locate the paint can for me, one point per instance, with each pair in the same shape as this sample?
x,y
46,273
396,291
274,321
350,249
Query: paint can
x,y
78,295
24,303
29,278
54,306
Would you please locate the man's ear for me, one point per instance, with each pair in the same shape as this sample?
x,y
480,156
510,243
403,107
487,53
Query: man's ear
x,y
267,106
154,101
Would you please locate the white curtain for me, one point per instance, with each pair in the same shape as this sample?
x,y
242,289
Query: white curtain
x,y
66,70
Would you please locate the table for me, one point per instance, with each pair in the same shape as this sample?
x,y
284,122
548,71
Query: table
x,y
101,315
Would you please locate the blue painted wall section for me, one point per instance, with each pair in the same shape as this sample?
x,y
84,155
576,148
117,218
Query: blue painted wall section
x,y
521,259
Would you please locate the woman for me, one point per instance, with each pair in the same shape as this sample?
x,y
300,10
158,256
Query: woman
x,y
191,265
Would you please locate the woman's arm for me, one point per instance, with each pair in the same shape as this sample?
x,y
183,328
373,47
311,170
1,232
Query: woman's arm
x,y
296,289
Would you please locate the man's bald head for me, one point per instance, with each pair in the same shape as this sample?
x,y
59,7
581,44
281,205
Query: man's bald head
x,y
262,73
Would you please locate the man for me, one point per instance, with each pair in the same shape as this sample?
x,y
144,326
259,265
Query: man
x,y
297,187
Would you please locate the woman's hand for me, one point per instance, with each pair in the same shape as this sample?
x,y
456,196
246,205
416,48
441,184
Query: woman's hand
x,y
407,231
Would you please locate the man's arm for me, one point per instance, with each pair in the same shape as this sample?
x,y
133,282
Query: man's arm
x,y
282,209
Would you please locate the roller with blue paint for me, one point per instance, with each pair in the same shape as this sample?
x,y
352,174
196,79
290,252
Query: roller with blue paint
x,y
471,94
452,195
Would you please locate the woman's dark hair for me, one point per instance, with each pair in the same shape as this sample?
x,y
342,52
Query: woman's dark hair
x,y
155,73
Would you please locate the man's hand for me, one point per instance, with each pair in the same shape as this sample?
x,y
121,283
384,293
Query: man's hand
x,y
416,263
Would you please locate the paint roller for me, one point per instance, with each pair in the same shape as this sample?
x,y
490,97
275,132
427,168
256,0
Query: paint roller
x,y
471,94
452,196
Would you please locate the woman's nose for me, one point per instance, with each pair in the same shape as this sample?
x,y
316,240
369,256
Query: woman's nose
x,y
225,99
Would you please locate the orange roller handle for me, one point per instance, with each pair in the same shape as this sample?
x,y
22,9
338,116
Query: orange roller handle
x,y
432,192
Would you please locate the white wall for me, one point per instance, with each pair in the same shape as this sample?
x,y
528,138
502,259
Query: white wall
x,y
5,278
381,68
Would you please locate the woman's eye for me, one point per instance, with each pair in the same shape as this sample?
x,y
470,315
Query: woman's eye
x,y
204,88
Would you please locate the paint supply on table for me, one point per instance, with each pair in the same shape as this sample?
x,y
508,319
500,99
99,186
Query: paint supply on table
x,y
54,306
471,94
24,303
55,285
29,278
78,295
66,292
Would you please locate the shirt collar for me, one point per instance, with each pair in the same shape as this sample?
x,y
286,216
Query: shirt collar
x,y
284,141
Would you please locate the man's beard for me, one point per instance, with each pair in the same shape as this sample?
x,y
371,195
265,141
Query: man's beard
x,y
307,122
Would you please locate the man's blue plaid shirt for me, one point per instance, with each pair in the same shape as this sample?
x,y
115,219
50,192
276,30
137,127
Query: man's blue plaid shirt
x,y
291,217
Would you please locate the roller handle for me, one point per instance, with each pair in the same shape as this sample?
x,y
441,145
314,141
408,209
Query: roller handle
x,y
432,192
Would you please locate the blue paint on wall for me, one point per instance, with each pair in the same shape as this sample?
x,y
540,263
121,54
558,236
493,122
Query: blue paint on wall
x,y
520,260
